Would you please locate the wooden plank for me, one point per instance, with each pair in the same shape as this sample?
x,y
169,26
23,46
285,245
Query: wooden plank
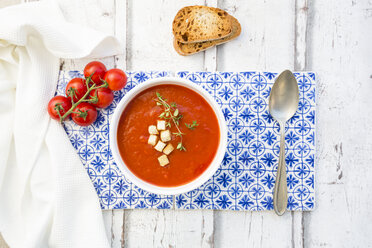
x,y
117,228
210,55
300,53
301,24
150,38
120,28
297,229
252,229
266,43
340,37
150,47
107,219
168,228
120,21
137,221
100,16
267,38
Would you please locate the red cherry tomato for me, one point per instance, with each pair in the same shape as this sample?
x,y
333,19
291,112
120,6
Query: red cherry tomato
x,y
116,79
105,96
84,114
76,88
59,104
98,69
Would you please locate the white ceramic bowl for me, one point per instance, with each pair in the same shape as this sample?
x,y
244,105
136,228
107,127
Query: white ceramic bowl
x,y
197,181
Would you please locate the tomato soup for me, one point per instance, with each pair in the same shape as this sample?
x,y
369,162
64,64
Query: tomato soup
x,y
201,142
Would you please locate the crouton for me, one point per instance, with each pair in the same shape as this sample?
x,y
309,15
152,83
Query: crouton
x,y
163,160
160,146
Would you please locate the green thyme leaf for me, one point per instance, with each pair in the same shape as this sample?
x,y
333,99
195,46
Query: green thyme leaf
x,y
192,126
172,113
181,147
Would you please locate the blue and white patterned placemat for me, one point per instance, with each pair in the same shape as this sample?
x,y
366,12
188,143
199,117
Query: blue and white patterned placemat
x,y
246,177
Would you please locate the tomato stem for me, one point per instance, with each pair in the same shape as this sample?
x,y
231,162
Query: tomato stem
x,y
84,98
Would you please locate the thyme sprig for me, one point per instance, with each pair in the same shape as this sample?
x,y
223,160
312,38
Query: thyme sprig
x,y
171,114
192,126
90,86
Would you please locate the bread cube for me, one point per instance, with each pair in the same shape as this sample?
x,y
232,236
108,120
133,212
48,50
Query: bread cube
x,y
160,146
153,130
165,136
168,149
152,139
163,160
161,125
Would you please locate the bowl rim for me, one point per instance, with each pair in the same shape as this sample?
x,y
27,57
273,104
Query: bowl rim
x,y
202,178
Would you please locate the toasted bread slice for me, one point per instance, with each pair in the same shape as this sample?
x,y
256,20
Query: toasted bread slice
x,y
192,48
201,23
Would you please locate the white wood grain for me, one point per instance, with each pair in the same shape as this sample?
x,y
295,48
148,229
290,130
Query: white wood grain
x,y
300,56
120,27
168,228
150,47
99,15
267,38
330,37
266,43
210,55
301,24
150,39
340,52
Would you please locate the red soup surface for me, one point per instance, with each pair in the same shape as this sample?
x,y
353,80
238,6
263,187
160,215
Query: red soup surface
x,y
201,143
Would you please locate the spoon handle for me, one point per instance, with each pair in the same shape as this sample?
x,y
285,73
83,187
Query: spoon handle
x,y
280,190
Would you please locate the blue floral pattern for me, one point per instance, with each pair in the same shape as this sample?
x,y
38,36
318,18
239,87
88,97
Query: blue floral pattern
x,y
246,177
92,145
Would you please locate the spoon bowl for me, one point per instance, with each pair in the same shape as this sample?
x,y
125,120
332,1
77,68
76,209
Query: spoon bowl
x,y
283,104
284,97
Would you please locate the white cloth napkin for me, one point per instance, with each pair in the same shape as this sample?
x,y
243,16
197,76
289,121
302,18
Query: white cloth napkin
x,y
46,197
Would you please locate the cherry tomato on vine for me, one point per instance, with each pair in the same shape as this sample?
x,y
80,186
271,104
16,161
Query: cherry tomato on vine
x,y
105,96
76,88
59,104
99,70
84,114
116,79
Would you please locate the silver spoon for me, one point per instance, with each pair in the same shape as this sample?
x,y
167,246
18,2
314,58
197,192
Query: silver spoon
x,y
283,103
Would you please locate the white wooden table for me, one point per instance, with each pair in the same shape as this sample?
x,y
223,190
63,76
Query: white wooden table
x,y
330,37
